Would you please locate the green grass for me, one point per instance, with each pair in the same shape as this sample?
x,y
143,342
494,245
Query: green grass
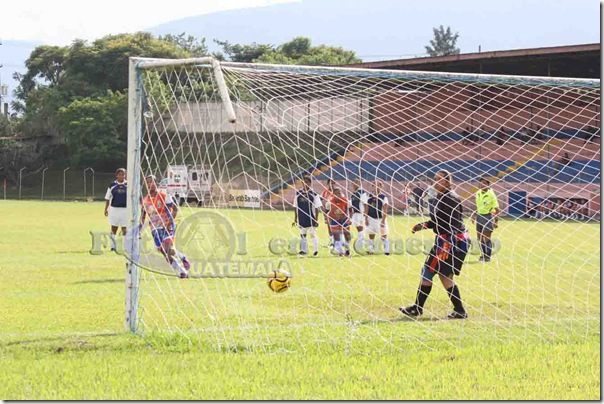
x,y
533,331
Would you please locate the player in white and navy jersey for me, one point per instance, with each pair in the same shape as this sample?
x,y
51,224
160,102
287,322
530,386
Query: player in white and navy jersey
x,y
358,200
115,205
307,204
376,211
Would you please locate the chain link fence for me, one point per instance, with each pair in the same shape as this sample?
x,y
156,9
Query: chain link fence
x,y
55,183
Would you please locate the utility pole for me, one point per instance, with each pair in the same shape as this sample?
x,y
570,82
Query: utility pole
x,y
3,90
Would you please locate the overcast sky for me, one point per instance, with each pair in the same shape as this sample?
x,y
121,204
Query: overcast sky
x,y
58,22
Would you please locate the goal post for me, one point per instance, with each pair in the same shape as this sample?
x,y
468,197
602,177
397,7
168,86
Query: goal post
x,y
135,132
233,142
134,185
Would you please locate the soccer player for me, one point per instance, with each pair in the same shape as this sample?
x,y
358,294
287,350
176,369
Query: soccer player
x,y
358,200
338,210
115,205
376,212
430,195
487,208
162,211
307,205
449,251
405,202
325,195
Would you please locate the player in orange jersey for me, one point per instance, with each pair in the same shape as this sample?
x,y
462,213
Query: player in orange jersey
x,y
161,211
325,197
338,209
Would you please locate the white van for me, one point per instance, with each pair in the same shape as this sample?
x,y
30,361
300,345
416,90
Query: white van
x,y
187,183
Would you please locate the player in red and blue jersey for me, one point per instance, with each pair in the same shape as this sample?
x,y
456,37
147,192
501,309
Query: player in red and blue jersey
x,y
325,196
161,211
338,212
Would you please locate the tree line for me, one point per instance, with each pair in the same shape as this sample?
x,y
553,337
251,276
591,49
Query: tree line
x,y
77,94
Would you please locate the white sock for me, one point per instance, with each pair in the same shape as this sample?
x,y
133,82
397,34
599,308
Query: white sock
x,y
177,266
337,245
180,255
303,245
361,238
112,239
370,244
386,246
331,240
315,243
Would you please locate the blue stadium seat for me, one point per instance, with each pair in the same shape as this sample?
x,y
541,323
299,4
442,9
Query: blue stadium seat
x,y
466,170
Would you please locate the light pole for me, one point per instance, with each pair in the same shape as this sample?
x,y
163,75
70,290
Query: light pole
x,y
42,193
89,168
20,175
3,91
64,171
4,183
92,170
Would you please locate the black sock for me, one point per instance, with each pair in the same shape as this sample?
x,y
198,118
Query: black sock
x,y
483,248
488,247
456,299
422,295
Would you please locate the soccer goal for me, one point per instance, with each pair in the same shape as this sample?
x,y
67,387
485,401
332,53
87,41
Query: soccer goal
x,y
230,144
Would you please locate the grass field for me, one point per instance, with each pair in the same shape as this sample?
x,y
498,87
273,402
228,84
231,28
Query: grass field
x,y
533,331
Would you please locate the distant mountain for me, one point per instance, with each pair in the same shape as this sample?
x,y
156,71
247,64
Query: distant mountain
x,y
391,29
379,29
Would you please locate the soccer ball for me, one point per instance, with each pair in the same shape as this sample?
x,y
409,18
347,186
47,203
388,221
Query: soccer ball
x,y
279,281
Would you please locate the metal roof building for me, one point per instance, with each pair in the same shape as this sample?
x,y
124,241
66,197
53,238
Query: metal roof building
x,y
580,61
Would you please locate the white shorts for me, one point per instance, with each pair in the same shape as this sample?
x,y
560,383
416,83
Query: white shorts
x,y
358,219
375,227
118,217
308,230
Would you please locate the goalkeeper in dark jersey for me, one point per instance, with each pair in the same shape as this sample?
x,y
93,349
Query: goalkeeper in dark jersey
x,y
449,251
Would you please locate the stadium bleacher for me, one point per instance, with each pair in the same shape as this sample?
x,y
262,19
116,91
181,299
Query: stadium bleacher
x,y
520,165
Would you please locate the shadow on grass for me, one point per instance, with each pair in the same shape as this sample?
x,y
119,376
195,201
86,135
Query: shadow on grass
x,y
101,281
401,319
62,337
476,263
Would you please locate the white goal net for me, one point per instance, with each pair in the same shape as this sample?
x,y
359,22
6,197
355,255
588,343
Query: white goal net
x,y
232,143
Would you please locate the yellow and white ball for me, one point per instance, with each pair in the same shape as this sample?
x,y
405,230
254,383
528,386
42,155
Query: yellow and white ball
x,y
279,281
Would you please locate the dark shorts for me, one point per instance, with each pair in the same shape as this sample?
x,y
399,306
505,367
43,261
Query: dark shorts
x,y
484,223
161,235
451,266
339,225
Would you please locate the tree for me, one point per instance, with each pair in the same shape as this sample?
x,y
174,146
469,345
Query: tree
x,y
243,53
77,92
443,43
300,51
188,43
15,155
297,51
95,129
7,127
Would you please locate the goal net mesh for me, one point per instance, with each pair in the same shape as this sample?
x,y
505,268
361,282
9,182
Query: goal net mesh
x,y
536,139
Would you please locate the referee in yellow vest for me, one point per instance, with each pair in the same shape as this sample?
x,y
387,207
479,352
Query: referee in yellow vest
x,y
487,209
